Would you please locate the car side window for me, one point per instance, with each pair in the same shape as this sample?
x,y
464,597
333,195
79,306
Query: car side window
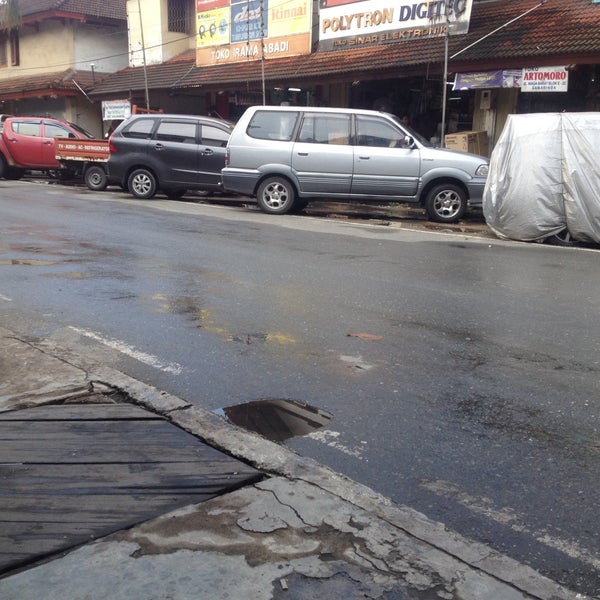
x,y
273,125
139,129
213,136
183,132
27,128
51,130
373,131
325,129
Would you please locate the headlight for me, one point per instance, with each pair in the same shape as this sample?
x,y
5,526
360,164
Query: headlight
x,y
482,170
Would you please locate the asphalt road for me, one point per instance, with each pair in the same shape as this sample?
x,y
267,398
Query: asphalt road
x,y
461,370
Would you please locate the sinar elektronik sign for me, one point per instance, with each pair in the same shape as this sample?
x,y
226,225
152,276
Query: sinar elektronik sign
x,y
351,23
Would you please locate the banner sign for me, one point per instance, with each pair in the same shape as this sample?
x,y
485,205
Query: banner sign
x,y
352,23
239,30
488,79
115,110
545,79
534,79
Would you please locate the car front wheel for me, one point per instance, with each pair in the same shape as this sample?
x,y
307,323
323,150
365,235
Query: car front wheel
x,y
446,203
276,196
142,184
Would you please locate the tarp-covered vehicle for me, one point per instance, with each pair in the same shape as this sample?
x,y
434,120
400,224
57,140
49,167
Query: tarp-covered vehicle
x,y
544,178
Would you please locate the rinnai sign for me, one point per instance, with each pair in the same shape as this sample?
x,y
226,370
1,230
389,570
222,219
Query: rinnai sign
x,y
545,79
347,23
239,30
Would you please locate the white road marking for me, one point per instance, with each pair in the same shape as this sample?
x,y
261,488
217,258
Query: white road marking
x,y
330,438
131,351
510,518
5,298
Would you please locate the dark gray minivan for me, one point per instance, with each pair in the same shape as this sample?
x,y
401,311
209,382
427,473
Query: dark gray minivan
x,y
173,153
288,156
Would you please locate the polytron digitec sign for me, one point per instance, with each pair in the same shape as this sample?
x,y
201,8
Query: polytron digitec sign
x,y
352,23
239,30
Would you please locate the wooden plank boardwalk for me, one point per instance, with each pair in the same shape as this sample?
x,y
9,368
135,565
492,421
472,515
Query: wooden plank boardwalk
x,y
74,472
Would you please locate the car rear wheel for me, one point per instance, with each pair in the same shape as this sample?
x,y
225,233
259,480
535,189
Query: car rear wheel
x,y
95,178
446,203
276,196
142,184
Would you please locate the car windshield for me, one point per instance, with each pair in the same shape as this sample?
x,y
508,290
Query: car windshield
x,y
81,130
411,131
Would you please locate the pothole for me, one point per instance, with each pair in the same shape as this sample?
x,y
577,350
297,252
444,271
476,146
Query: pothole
x,y
276,419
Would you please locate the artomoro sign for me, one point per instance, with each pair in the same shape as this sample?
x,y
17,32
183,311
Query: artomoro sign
x,y
347,23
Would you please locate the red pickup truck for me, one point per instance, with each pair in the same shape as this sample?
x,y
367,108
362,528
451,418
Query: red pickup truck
x,y
27,143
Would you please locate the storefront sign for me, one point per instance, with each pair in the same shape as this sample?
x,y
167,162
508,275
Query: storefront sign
x,y
115,110
368,22
238,30
534,79
488,79
545,79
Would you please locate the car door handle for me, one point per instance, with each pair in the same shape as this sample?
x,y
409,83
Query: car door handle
x,y
159,147
364,157
48,143
302,153
206,152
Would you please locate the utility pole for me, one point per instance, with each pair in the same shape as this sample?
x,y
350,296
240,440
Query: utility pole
x,y
262,51
144,57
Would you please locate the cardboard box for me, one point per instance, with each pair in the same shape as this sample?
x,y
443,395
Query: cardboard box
x,y
475,142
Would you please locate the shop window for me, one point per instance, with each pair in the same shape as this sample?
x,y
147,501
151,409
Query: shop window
x,y
179,16
14,48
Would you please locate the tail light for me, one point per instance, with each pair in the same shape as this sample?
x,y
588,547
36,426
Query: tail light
x,y
111,147
227,157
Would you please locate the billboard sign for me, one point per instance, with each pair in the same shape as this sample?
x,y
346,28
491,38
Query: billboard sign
x,y
240,30
354,23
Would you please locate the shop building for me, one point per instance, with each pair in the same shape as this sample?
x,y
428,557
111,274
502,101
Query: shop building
x,y
505,42
512,56
53,51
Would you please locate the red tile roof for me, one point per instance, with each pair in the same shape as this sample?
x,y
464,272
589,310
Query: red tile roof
x,y
107,9
47,84
556,32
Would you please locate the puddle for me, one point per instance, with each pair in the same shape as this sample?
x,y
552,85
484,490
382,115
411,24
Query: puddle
x,y
277,420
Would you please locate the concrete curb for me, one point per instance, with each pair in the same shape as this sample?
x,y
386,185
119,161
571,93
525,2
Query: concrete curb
x,y
294,497
280,461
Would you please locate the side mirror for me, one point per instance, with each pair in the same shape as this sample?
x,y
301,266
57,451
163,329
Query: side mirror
x,y
408,142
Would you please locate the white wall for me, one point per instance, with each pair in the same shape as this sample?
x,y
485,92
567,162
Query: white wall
x,y
106,48
159,43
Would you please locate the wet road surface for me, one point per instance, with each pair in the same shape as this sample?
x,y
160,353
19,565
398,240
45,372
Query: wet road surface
x,y
461,371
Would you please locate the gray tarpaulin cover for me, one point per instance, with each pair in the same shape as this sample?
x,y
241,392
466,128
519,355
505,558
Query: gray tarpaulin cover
x,y
545,177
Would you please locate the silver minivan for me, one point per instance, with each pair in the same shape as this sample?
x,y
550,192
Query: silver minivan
x,y
287,156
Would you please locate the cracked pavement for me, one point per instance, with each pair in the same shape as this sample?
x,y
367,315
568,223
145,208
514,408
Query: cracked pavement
x,y
303,532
